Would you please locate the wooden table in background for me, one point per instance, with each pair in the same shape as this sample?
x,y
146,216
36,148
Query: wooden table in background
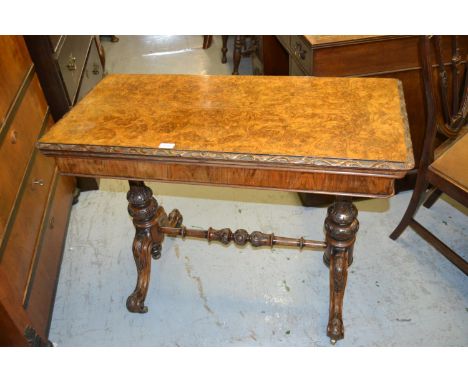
x,y
340,136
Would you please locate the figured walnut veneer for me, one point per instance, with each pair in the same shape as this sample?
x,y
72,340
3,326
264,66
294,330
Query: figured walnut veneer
x,y
288,118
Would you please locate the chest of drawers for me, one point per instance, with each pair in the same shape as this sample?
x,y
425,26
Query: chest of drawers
x,y
68,67
35,201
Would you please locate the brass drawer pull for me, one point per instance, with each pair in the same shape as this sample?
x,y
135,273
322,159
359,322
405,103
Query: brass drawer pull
x,y
40,182
96,69
71,63
298,51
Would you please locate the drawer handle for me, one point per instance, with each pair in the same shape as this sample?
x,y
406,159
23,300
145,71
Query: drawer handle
x,y
71,63
299,51
96,68
14,137
39,182
52,222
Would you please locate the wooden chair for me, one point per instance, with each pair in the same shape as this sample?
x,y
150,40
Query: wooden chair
x,y
241,49
207,41
446,114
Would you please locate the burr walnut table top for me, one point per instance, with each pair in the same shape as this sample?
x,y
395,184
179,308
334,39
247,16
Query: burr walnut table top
x,y
338,125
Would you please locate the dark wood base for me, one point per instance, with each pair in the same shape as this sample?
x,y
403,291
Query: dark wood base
x,y
152,223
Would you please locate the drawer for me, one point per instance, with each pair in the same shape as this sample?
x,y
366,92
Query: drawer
x,y
17,146
14,65
23,237
302,51
41,293
93,72
71,60
294,68
285,40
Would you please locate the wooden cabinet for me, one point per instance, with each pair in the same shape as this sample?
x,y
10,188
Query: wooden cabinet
x,y
35,201
68,67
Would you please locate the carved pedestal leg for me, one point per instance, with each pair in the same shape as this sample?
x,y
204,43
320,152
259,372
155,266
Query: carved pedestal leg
x,y
238,42
142,208
224,49
147,218
341,227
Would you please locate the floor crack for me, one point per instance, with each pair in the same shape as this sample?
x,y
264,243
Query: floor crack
x,y
201,292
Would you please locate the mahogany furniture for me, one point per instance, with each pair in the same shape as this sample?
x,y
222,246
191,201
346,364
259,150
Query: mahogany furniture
x,y
361,56
341,136
35,202
449,172
68,67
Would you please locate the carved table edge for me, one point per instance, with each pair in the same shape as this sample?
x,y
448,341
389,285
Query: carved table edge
x,y
124,152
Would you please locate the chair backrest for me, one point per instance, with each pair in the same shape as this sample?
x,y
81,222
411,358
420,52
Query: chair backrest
x,y
446,94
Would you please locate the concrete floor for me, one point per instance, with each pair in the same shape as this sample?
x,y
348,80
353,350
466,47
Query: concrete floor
x,y
401,293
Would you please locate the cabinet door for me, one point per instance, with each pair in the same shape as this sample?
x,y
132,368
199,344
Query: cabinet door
x,y
71,60
93,72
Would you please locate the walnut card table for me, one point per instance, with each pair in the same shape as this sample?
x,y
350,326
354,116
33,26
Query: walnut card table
x,y
342,136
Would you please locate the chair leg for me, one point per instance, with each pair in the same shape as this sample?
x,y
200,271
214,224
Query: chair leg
x,y
224,49
207,40
432,198
415,202
238,43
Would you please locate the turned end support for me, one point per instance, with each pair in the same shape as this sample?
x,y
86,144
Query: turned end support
x,y
341,226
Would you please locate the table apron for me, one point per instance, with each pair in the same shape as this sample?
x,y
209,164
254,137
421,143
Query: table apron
x,y
207,174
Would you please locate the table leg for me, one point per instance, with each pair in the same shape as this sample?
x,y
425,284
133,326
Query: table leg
x,y
148,217
341,227
238,42
142,207
224,49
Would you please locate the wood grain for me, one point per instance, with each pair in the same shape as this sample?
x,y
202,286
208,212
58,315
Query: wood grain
x,y
197,173
14,65
22,241
44,273
17,147
357,119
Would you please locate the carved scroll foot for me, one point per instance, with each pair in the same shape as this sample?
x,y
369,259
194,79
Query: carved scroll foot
x,y
341,227
142,207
